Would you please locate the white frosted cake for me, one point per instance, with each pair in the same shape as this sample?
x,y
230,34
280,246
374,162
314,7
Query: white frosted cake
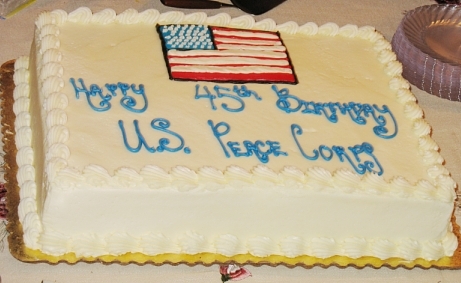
x,y
170,134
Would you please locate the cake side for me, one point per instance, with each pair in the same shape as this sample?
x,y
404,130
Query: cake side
x,y
182,186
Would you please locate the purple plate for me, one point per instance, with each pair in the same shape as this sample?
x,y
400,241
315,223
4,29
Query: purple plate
x,y
428,43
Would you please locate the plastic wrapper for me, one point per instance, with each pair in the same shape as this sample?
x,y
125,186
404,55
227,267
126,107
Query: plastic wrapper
x,y
10,7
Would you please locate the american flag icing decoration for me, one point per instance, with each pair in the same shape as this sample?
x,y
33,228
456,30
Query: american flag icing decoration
x,y
209,53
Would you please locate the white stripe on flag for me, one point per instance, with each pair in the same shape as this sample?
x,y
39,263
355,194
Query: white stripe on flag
x,y
241,33
226,61
279,48
230,52
231,40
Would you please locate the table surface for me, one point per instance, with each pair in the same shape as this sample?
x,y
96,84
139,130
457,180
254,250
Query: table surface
x,y
445,116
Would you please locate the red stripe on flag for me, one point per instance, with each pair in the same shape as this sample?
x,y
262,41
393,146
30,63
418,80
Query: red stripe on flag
x,y
232,65
224,56
260,77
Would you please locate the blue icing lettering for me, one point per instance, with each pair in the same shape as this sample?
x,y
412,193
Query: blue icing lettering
x,y
236,94
297,130
362,160
129,102
224,92
225,128
158,124
357,112
381,130
141,140
162,125
329,152
95,92
243,91
112,88
251,148
206,95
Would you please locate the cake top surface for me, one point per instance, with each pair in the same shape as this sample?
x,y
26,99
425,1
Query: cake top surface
x,y
348,112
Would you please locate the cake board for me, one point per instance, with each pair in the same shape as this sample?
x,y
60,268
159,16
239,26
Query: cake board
x,y
22,253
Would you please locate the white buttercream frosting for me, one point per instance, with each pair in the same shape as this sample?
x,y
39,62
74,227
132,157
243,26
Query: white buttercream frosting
x,y
261,183
330,29
154,244
229,245
348,30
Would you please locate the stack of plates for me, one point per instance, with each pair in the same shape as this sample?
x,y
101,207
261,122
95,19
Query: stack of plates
x,y
428,43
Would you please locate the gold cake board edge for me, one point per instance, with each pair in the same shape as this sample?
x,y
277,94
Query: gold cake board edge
x,y
24,254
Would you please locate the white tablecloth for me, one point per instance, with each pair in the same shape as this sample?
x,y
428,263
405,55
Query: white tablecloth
x,y
445,117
